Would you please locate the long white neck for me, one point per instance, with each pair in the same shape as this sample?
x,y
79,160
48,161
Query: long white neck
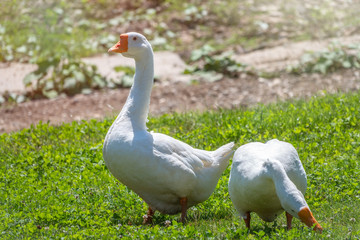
x,y
136,108
290,197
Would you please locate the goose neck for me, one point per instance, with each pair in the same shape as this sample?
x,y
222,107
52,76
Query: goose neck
x,y
137,104
289,196
277,173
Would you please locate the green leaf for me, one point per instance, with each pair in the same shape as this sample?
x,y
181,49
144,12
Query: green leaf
x,y
190,70
346,64
21,49
2,99
69,83
66,72
127,81
79,76
125,69
86,91
20,98
50,94
2,29
199,53
58,10
99,82
210,76
356,64
31,78
49,85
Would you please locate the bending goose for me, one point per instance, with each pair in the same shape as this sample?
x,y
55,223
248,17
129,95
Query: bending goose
x,y
268,179
169,175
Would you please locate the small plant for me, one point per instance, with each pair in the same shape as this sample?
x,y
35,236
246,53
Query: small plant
x,y
57,76
336,57
213,67
12,97
127,79
63,76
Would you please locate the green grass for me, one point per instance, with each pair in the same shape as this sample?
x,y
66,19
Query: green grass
x,y
54,183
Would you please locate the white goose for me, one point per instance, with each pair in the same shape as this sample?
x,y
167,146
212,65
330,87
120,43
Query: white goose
x,y
268,179
169,175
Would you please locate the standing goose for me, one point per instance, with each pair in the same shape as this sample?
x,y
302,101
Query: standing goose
x,y
268,179
169,175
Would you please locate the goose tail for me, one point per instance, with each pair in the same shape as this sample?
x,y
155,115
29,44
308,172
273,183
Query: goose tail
x,y
222,155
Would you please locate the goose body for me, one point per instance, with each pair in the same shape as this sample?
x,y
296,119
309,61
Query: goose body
x,y
169,175
268,179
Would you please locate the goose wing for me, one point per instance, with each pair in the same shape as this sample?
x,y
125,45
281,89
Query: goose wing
x,y
175,150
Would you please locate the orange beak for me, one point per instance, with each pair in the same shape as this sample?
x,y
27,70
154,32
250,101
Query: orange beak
x,y
121,46
306,217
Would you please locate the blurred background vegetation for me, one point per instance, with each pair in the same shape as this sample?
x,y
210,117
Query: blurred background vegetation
x,y
56,34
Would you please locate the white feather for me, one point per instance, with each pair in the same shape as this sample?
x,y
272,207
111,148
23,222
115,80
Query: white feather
x,y
159,168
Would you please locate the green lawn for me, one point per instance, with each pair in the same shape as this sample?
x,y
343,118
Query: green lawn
x,y
54,183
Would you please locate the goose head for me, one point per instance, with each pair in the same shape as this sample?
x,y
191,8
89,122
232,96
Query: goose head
x,y
296,205
291,199
131,45
306,217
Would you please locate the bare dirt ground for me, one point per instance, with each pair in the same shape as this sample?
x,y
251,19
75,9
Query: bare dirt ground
x,y
179,96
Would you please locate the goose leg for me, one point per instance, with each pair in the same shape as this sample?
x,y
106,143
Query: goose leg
x,y
183,203
247,220
148,217
289,218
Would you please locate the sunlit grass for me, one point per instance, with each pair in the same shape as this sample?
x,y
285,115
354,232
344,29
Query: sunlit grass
x,y
54,182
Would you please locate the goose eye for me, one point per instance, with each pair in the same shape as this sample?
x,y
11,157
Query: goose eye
x,y
134,38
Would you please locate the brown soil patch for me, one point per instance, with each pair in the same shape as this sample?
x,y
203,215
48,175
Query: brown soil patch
x,y
174,93
179,97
